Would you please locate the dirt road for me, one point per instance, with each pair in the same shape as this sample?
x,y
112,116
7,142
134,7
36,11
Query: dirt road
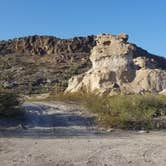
x,y
58,134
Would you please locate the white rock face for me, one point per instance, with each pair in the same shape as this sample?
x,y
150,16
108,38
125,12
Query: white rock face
x,y
163,92
147,80
114,70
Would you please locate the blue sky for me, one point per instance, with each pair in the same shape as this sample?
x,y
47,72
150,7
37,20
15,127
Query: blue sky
x,y
143,20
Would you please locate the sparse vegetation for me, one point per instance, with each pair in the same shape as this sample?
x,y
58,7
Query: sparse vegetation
x,y
9,104
131,111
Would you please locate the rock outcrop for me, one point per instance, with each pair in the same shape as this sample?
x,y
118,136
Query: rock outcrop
x,y
120,67
47,45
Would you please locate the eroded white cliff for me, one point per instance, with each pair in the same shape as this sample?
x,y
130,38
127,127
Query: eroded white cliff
x,y
116,70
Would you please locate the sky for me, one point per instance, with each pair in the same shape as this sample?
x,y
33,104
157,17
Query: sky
x,y
143,20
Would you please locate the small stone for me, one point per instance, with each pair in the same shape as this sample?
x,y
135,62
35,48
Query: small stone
x,y
110,130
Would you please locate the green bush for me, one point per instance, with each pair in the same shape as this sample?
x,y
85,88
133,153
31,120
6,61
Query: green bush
x,y
135,111
9,104
131,111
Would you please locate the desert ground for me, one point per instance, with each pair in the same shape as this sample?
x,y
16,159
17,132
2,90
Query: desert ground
x,y
64,134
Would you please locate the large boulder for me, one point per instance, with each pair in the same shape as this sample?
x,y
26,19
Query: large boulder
x,y
116,68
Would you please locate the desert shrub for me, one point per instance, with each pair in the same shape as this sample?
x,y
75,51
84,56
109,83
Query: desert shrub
x,y
78,68
131,111
135,111
9,104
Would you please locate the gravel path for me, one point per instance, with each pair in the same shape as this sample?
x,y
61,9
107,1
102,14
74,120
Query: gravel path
x,y
58,134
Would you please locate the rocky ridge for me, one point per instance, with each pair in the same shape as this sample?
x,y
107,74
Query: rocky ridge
x,y
39,63
120,67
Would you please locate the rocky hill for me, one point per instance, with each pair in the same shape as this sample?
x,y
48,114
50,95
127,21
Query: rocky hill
x,y
120,67
41,63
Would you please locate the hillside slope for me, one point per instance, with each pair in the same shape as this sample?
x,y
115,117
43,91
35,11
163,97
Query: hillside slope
x,y
38,63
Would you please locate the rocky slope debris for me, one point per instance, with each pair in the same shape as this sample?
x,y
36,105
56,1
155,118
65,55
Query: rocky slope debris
x,y
120,67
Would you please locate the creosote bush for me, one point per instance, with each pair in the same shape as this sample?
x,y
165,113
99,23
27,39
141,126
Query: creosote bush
x,y
121,111
9,104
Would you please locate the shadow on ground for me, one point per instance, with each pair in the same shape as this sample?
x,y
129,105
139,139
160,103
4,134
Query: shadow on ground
x,y
43,121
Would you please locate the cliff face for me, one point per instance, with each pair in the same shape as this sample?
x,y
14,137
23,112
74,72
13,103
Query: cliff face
x,y
120,67
39,63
